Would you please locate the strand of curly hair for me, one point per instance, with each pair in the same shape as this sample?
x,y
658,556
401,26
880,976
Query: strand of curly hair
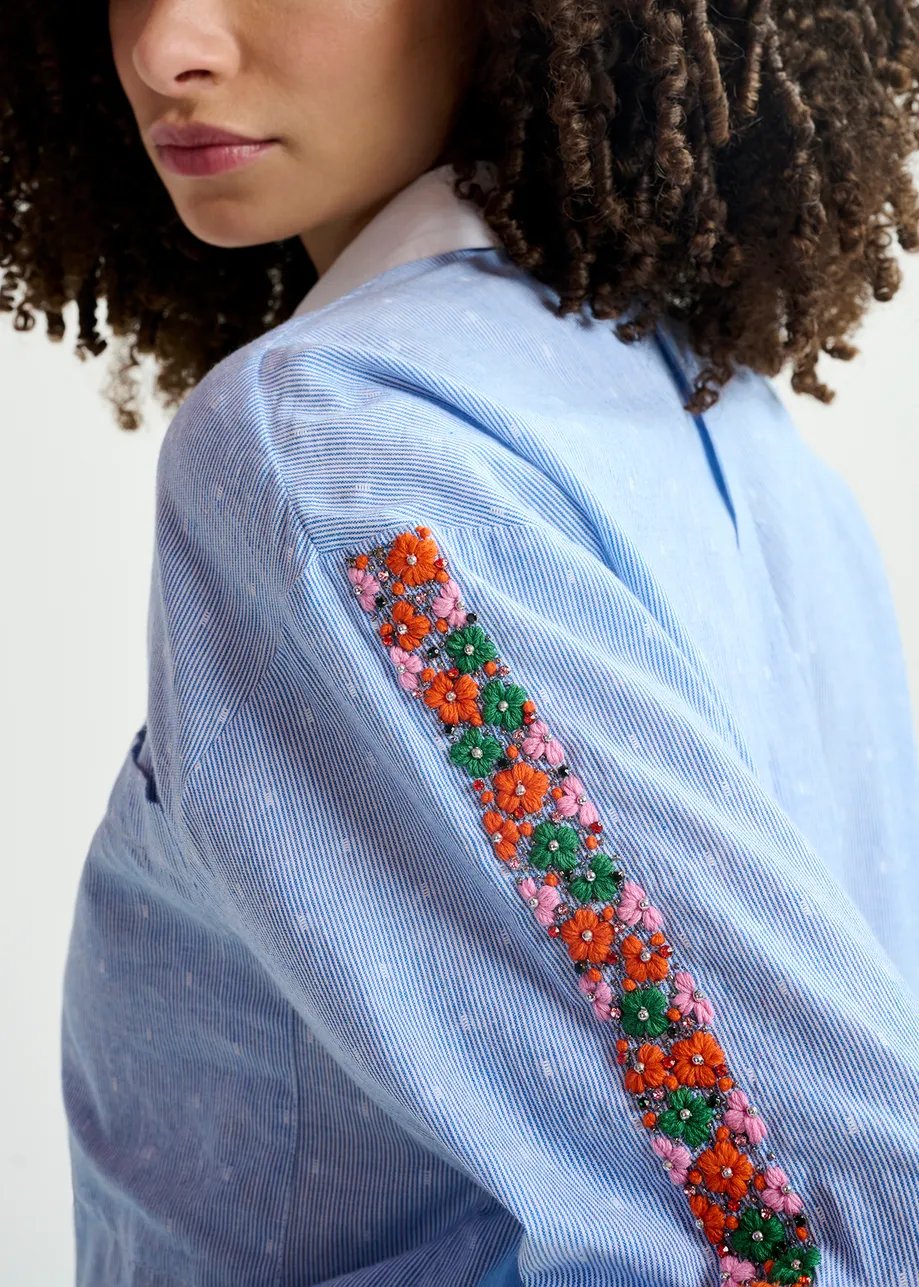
x,y
742,168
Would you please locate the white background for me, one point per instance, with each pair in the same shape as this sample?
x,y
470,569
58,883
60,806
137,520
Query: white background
x,y
77,520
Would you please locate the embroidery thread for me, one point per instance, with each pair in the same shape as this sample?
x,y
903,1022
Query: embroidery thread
x,y
542,825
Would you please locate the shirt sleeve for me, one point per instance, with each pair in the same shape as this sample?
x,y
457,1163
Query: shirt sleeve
x,y
493,830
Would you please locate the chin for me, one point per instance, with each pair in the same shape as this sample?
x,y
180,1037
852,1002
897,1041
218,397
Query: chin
x,y
234,223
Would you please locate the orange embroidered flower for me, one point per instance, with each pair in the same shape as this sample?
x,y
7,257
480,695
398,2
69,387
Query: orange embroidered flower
x,y
709,1217
410,628
725,1169
647,1069
412,559
520,789
453,699
642,963
504,834
588,937
696,1057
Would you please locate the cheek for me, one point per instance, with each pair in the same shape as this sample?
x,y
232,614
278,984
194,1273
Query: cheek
x,y
125,22
352,59
329,48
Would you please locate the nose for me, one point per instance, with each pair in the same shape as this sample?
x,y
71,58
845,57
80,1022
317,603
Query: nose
x,y
183,41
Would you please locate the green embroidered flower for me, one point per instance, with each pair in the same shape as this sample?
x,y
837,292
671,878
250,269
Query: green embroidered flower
x,y
600,881
643,1012
502,704
792,1262
554,847
469,648
758,1238
476,751
688,1117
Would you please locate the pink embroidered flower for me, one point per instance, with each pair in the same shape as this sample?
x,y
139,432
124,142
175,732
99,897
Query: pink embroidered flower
x,y
408,665
675,1157
539,741
573,800
447,604
689,1000
634,906
364,586
777,1194
742,1118
734,1270
600,994
542,898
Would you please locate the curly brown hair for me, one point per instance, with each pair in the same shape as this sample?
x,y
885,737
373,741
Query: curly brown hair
x,y
743,168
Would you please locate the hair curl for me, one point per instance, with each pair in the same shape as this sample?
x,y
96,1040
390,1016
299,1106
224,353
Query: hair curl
x,y
742,167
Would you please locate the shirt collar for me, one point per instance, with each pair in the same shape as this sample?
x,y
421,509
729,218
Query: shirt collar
x,y
425,218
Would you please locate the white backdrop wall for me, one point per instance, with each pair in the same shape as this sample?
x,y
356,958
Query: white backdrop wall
x,y
77,528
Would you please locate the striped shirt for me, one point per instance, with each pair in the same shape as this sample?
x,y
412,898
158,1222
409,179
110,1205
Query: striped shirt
x,y
515,878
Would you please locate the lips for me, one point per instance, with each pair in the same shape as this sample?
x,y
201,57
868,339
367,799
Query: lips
x,y
197,134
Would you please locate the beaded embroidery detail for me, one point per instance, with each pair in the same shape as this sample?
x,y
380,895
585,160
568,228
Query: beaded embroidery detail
x,y
541,823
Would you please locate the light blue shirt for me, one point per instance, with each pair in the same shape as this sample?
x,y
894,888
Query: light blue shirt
x,y
316,1027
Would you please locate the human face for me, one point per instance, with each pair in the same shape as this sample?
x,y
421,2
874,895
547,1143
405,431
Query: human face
x,y
353,98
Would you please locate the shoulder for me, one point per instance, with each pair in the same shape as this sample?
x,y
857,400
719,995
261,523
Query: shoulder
x,y
347,411
315,369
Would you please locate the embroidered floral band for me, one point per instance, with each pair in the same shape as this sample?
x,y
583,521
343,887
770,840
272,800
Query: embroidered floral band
x,y
541,823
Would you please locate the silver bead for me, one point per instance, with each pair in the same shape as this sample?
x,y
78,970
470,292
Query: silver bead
x,y
468,650
586,935
411,558
698,1059
502,705
643,1014
644,955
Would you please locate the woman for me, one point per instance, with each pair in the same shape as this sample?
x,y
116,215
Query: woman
x,y
515,877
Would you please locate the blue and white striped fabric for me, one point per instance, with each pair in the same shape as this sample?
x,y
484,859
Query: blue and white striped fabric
x,y
311,1032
